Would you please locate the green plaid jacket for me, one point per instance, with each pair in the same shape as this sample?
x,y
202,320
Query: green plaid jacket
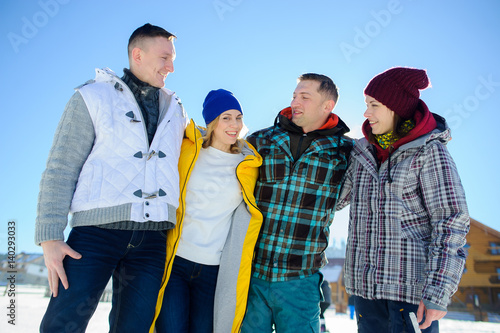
x,y
297,199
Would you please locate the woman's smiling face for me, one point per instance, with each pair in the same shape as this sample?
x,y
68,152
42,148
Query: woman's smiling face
x,y
227,130
380,117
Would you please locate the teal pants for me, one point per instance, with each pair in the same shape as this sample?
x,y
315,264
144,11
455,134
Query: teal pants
x,y
292,306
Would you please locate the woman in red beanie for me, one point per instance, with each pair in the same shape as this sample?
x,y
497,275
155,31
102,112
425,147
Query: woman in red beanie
x,y
408,215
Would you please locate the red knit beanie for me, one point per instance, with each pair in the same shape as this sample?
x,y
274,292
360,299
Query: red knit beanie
x,y
398,89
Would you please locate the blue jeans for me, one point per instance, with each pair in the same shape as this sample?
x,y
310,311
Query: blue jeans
x,y
292,306
188,302
135,259
387,316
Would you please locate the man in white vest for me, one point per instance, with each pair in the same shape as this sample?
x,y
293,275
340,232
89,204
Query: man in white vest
x,y
113,166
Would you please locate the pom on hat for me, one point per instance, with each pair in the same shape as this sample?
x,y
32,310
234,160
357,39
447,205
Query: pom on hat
x,y
218,101
398,89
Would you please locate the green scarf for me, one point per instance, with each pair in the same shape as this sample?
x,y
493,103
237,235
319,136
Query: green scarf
x,y
386,140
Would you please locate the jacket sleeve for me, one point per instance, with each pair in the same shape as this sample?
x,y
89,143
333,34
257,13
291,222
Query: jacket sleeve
x,y
252,140
444,199
345,192
72,144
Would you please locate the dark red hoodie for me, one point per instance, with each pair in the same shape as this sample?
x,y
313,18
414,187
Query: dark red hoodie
x,y
331,122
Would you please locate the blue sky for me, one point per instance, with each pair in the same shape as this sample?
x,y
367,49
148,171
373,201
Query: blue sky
x,y
256,49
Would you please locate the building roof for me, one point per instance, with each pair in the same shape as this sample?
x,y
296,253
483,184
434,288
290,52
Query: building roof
x,y
333,270
485,228
331,273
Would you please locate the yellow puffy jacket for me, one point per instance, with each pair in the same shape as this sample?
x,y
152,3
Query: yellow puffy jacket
x,y
233,281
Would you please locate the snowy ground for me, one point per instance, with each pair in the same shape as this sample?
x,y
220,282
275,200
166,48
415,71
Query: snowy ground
x,y
30,306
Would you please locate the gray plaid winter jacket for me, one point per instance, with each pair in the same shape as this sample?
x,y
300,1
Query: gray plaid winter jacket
x,y
406,238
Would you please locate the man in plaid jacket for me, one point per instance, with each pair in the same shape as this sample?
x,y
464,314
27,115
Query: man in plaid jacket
x,y
305,156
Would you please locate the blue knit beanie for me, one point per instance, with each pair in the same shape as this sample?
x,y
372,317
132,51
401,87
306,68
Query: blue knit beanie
x,y
218,101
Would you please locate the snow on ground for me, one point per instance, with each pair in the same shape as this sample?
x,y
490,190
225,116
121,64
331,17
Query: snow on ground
x,y
30,306
340,323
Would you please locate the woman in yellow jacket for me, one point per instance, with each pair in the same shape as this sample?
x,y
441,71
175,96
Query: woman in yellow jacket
x,y
210,250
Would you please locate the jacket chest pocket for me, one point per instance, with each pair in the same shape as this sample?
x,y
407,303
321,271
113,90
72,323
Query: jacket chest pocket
x,y
275,166
321,168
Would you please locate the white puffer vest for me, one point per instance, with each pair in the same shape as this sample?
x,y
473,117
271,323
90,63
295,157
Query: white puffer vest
x,y
122,167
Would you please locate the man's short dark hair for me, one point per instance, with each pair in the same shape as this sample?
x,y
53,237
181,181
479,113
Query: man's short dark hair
x,y
147,31
326,85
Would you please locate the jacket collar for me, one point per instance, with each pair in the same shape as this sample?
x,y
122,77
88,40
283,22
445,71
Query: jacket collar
x,y
333,126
